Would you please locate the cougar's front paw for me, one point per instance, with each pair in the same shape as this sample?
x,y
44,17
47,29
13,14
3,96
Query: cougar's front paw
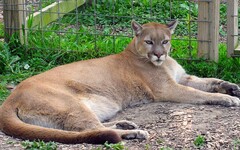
x,y
236,93
231,88
225,100
126,125
136,134
231,101
235,101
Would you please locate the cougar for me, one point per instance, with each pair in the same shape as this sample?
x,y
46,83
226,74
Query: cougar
x,y
71,103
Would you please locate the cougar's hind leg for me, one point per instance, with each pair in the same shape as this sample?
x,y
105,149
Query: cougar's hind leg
x,y
75,117
81,118
90,111
93,110
122,124
88,121
85,119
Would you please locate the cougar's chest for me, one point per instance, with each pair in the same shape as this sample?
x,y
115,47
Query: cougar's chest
x,y
173,70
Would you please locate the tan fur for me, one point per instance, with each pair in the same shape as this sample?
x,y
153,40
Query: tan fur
x,y
69,103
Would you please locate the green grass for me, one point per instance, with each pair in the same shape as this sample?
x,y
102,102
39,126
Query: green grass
x,y
117,146
165,148
236,144
199,141
39,145
1,30
113,15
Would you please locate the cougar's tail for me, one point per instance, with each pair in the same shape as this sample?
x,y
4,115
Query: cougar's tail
x,y
11,125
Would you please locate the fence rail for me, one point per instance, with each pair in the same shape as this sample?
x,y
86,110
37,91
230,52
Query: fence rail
x,y
53,12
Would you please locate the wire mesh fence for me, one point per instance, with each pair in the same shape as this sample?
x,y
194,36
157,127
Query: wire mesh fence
x,y
101,27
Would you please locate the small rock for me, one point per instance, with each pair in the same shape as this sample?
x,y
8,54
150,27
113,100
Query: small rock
x,y
129,118
201,108
177,113
185,123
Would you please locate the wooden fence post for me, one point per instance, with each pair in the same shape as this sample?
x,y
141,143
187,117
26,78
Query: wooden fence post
x,y
232,26
208,29
14,19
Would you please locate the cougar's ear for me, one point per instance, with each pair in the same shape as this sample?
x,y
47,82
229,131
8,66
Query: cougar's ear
x,y
172,25
137,28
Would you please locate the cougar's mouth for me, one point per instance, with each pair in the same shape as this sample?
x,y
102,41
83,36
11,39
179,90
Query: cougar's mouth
x,y
157,61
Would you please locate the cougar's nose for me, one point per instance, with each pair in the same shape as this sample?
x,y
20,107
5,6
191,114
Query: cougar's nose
x,y
158,54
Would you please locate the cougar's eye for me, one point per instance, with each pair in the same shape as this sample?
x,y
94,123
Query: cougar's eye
x,y
165,41
149,42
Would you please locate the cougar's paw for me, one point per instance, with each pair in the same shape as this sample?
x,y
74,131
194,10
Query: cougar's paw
x,y
126,125
136,134
236,93
225,100
231,88
235,101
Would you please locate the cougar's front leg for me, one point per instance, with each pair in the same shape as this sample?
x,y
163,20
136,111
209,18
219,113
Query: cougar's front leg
x,y
184,94
122,124
211,85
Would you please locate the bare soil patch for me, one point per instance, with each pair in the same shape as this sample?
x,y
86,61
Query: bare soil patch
x,y
171,125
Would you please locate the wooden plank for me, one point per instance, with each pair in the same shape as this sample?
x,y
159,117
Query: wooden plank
x,y
53,12
14,19
203,29
232,26
237,50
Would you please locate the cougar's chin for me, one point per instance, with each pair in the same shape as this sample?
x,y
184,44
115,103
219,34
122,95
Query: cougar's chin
x,y
157,63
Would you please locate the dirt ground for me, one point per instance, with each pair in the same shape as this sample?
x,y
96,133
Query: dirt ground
x,y
171,125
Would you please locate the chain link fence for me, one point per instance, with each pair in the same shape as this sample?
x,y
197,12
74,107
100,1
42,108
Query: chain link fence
x,y
102,27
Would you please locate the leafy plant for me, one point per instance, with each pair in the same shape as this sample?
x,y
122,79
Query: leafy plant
x,y
7,60
11,142
30,21
236,144
147,147
1,30
3,91
199,141
165,148
118,146
39,145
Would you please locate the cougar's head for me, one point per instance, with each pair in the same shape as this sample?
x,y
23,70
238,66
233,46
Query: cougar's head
x,y
152,40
